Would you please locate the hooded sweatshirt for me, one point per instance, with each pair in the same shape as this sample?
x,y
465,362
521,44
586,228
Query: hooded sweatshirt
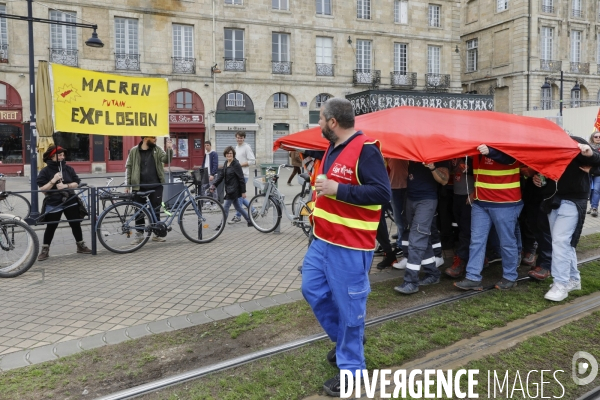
x,y
47,174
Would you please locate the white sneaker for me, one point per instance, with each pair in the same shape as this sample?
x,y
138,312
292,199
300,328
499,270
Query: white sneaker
x,y
158,239
401,264
439,261
572,285
139,238
558,292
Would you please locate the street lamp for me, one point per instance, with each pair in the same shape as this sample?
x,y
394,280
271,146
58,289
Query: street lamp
x,y
92,42
547,93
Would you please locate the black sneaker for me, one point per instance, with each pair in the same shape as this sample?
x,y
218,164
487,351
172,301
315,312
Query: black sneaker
x,y
388,261
378,250
505,284
395,236
332,386
468,284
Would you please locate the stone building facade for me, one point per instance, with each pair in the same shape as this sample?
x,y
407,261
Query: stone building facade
x,y
278,60
511,48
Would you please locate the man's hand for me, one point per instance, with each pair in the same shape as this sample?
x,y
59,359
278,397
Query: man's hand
x,y
61,186
586,150
431,166
326,187
211,177
586,168
243,195
483,149
470,198
537,181
169,144
127,190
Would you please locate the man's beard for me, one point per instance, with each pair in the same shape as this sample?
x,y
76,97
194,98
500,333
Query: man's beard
x,y
150,144
329,134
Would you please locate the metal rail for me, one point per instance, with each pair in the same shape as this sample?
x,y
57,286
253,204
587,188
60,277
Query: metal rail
x,y
235,362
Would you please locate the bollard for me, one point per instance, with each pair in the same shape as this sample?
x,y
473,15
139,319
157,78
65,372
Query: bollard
x,y
93,218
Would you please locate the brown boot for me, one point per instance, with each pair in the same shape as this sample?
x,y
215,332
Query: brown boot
x,y
44,253
82,248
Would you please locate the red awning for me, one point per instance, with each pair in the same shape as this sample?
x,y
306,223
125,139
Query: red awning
x,y
428,135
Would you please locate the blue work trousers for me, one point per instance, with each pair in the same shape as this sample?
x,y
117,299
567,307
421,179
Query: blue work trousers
x,y
335,283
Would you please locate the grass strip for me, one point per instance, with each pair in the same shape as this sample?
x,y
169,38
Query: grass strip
x,y
301,372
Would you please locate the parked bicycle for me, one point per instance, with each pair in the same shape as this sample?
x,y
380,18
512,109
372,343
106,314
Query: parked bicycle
x,y
19,246
14,204
305,194
269,206
120,228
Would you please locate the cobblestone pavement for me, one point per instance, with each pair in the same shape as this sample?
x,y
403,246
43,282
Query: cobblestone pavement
x,y
76,302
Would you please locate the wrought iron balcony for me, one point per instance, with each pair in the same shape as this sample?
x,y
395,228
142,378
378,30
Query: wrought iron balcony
x,y
548,9
369,77
580,68
129,62
576,13
567,103
403,80
64,56
3,53
325,69
183,65
437,81
550,65
282,67
235,64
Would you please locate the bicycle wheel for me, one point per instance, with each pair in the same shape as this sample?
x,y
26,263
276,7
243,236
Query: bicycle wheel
x,y
302,197
303,219
19,247
117,230
205,225
14,204
267,213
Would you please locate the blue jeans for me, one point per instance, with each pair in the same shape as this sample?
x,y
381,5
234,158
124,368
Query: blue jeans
x,y
505,222
595,197
335,283
397,208
563,222
242,201
237,206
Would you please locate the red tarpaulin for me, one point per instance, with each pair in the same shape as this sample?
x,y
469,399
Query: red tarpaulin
x,y
435,134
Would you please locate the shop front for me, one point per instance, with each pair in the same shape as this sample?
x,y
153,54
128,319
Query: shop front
x,y
12,140
235,113
186,128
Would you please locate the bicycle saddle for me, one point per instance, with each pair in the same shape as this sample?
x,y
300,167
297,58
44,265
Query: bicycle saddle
x,y
144,194
305,176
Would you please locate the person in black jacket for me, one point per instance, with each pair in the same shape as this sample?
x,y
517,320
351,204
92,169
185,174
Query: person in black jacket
x,y
57,175
235,185
566,213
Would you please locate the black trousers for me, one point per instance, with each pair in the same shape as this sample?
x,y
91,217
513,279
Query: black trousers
x,y
462,216
71,212
297,170
155,198
383,236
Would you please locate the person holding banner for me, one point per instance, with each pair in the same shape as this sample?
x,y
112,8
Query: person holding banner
x,y
145,167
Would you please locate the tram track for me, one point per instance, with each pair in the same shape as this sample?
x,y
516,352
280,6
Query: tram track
x,y
275,350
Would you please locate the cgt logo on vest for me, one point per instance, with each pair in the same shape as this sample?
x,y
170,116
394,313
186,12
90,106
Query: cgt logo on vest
x,y
342,171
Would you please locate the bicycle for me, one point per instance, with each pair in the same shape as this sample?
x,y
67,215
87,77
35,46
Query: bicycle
x,y
14,204
111,194
305,194
19,246
269,204
120,228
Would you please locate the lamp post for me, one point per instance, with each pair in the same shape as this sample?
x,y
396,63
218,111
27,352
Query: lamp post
x,y
92,42
547,91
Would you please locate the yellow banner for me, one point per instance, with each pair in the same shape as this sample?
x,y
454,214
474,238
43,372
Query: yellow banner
x,y
105,104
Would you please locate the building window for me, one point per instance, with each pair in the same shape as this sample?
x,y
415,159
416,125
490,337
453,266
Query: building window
x,y
324,7
279,4
435,16
598,49
63,39
575,98
324,53
281,47
547,43
598,98
363,9
234,44
237,2
183,41
547,98
433,59
126,44
235,99
472,55
3,27
2,94
363,55
401,11
501,5
548,6
575,46
321,98
400,60
280,100
183,100
577,9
